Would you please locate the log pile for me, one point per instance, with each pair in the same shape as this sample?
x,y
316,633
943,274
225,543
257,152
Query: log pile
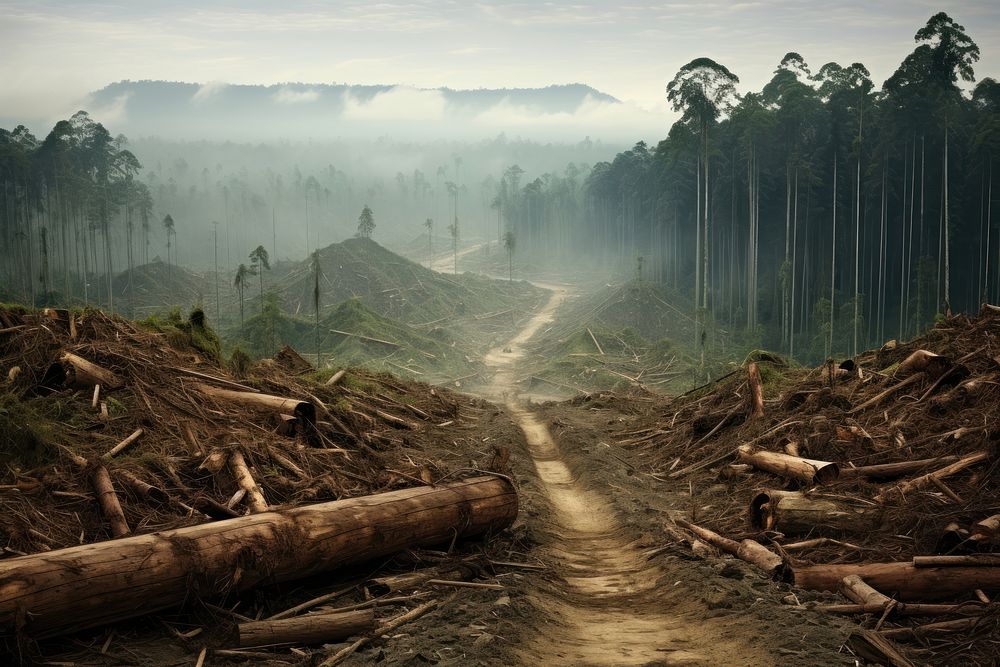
x,y
876,477
210,485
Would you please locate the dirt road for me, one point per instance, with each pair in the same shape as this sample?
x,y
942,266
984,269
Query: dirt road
x,y
609,607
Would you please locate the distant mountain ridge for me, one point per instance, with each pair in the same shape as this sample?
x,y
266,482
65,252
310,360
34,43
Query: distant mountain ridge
x,y
219,110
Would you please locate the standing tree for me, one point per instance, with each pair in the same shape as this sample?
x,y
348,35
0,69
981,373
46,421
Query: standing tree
x,y
366,223
240,283
497,205
168,224
702,90
508,243
259,262
314,266
453,230
429,225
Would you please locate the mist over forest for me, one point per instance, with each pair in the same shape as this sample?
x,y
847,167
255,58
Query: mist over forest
x,y
817,216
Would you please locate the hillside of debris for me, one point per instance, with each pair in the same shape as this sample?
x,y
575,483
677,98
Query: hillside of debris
x,y
113,429
634,334
875,477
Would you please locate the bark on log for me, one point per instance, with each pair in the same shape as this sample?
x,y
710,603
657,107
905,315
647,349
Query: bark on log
x,y
969,560
141,488
123,444
94,584
78,373
908,609
756,391
881,396
336,378
308,630
795,513
792,467
718,541
241,473
304,410
748,550
903,579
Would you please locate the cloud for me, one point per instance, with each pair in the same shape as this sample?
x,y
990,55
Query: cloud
x,y
291,96
208,90
598,118
114,112
399,103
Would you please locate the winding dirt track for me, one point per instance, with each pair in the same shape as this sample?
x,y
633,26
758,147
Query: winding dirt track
x,y
609,608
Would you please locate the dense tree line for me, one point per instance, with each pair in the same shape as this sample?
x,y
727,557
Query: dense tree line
x,y
817,216
70,209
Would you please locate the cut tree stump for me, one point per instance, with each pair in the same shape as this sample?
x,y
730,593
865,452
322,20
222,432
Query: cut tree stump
x,y
756,392
795,513
94,584
309,630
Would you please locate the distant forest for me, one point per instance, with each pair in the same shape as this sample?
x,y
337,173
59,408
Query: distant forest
x,y
818,216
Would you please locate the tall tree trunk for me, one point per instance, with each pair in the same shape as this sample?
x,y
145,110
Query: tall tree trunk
x,y
833,260
947,245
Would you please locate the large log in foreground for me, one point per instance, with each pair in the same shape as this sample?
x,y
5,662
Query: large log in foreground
x,y
90,585
790,467
902,580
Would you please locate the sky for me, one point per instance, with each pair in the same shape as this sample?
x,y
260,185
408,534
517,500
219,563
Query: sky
x,y
54,52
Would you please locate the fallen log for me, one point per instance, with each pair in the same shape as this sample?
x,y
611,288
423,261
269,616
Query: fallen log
x,y
336,378
94,584
304,410
893,470
76,372
907,608
856,590
748,550
796,513
928,479
906,581
108,500
143,489
756,391
791,467
309,630
881,396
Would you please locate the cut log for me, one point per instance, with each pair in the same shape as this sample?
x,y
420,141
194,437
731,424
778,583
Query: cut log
x,y
304,410
718,541
596,344
928,479
757,554
108,500
336,378
795,513
238,466
411,580
213,378
791,467
903,579
96,398
856,590
900,469
120,447
94,584
76,372
907,608
309,630
924,361
876,648
986,530
756,391
143,489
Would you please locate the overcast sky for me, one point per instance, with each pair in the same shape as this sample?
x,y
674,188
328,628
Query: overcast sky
x,y
53,52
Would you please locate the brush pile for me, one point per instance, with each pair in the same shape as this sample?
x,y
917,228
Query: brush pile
x,y
876,477
111,430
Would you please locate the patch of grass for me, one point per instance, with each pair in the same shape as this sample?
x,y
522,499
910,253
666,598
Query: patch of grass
x,y
28,438
193,333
